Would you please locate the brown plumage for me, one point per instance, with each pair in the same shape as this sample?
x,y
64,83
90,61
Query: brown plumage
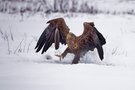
x,y
58,32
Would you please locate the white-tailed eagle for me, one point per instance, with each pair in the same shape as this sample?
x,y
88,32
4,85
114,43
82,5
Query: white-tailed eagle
x,y
58,32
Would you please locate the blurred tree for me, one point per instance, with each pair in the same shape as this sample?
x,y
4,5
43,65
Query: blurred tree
x,y
55,6
46,6
64,6
84,7
74,6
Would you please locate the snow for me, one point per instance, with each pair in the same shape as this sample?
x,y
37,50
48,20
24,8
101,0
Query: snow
x,y
44,76
23,69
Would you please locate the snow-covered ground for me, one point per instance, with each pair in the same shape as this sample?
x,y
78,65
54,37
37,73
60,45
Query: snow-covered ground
x,y
23,69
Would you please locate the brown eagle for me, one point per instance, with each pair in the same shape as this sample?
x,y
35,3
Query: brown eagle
x,y
58,32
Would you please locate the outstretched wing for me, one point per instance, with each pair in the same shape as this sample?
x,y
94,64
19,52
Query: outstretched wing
x,y
92,38
55,33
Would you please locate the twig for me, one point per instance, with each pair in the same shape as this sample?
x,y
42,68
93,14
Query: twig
x,y
18,46
25,38
7,39
12,38
2,34
29,45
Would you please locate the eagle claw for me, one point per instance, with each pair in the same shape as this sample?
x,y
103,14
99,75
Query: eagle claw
x,y
60,56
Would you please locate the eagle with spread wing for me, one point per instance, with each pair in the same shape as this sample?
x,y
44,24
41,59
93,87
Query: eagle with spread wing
x,y
58,32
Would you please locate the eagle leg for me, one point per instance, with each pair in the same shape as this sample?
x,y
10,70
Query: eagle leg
x,y
64,53
76,59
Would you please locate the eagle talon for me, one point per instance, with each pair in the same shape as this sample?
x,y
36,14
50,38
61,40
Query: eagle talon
x,y
60,56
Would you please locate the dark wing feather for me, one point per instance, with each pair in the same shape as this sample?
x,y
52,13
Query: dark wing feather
x,y
87,40
100,36
100,51
55,33
91,39
56,39
44,38
48,42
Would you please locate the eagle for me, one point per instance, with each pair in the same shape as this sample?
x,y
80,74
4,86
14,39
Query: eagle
x,y
58,32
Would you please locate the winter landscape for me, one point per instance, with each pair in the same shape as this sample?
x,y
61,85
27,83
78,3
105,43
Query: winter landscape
x,y
23,21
